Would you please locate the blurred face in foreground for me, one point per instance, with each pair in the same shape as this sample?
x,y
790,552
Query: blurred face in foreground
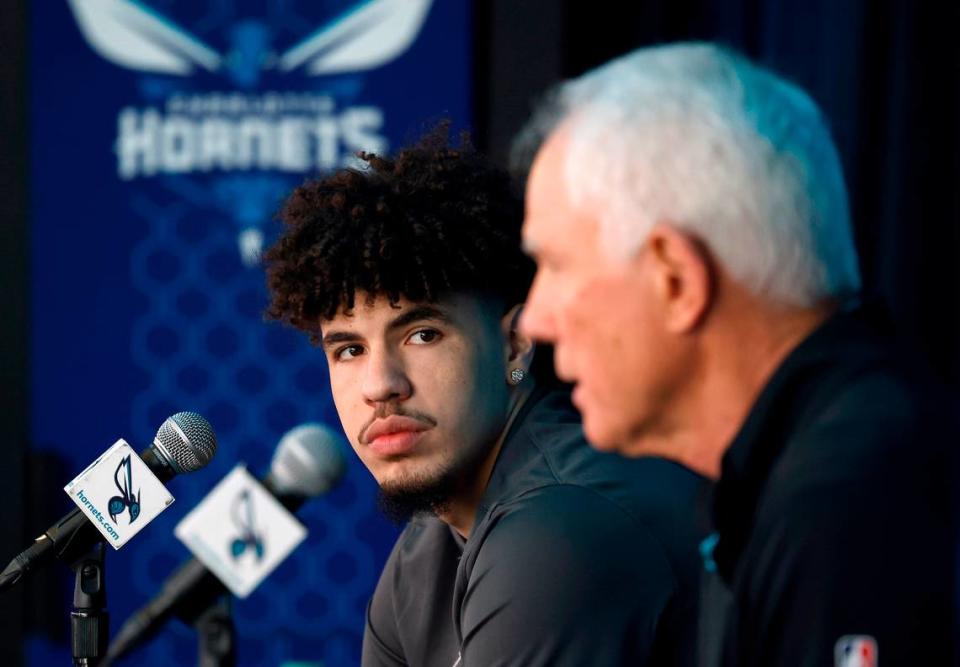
x,y
420,389
614,322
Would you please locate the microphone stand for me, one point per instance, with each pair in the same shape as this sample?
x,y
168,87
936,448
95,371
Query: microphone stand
x,y
216,635
89,620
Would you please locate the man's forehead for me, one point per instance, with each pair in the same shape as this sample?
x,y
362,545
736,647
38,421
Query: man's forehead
x,y
367,307
463,310
380,311
546,181
553,225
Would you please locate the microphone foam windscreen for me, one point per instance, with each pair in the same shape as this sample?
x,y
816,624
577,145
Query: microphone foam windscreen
x,y
309,460
188,441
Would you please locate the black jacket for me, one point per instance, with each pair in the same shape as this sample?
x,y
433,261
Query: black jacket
x,y
836,512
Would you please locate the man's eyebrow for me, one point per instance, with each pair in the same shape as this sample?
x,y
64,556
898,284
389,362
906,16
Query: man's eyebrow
x,y
415,314
334,337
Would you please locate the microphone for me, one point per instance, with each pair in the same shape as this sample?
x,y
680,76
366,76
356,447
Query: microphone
x,y
308,462
184,443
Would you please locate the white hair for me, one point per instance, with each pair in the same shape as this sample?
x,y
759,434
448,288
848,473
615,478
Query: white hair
x,y
695,136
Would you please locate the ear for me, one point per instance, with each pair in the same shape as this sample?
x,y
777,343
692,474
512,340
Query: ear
x,y
519,348
683,277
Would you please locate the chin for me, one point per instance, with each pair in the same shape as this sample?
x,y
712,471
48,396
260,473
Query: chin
x,y
599,436
410,473
606,434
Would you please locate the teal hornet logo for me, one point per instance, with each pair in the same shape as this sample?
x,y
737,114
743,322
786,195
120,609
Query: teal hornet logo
x,y
242,515
127,500
368,34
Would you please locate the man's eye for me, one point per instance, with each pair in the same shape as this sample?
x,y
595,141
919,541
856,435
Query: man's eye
x,y
423,336
348,352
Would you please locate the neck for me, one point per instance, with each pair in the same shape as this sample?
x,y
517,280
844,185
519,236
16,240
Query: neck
x,y
738,356
461,513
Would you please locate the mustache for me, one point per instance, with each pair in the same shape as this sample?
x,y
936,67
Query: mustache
x,y
384,411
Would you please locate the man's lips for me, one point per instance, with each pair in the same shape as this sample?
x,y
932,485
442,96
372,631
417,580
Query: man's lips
x,y
393,435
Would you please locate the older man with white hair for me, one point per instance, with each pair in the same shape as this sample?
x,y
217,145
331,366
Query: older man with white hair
x,y
698,278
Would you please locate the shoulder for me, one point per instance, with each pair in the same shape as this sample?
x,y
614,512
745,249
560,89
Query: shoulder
x,y
881,431
563,571
575,530
643,487
551,479
872,460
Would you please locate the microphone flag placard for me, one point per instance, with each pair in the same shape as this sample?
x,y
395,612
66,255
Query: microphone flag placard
x,y
119,494
240,532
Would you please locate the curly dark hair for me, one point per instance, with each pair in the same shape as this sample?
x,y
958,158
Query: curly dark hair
x,y
432,220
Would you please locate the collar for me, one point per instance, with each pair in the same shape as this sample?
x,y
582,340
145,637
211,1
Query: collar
x,y
801,384
520,464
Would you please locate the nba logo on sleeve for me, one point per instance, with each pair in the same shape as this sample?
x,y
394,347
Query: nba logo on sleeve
x,y
855,651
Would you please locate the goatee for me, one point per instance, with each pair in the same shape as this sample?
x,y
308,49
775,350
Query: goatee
x,y
402,502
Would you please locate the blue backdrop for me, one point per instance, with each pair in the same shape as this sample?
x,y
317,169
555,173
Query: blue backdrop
x,y
163,136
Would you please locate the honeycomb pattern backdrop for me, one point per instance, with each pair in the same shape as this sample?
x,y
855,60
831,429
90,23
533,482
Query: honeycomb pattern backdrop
x,y
253,382
148,216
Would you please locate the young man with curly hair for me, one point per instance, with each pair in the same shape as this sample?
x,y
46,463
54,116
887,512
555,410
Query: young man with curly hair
x,y
523,546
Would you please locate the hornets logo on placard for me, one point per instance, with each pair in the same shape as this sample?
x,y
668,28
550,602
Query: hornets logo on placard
x,y
250,538
127,500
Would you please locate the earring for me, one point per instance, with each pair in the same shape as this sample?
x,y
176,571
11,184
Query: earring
x,y
517,375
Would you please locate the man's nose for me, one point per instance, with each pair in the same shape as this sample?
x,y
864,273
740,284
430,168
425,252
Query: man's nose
x,y
385,379
536,320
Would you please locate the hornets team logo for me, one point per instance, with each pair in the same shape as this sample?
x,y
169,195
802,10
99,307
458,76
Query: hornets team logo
x,y
234,107
365,35
250,538
127,500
